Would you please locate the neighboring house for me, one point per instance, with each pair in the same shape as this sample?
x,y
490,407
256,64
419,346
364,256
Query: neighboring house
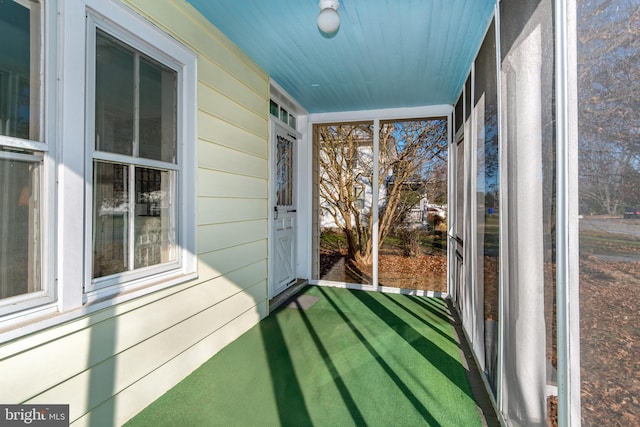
x,y
356,163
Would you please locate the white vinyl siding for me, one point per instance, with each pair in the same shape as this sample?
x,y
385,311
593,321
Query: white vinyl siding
x,y
218,157
222,133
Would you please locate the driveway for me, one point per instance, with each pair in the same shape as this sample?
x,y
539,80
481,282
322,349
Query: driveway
x,y
615,225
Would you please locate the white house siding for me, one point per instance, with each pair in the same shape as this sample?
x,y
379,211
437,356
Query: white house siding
x,y
109,365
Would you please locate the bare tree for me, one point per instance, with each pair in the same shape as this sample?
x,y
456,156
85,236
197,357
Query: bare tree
x,y
609,94
411,166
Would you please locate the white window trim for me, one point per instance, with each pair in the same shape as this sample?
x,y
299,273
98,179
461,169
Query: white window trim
x,y
65,188
119,22
40,302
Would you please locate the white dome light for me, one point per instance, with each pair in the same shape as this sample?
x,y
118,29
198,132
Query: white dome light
x,y
328,19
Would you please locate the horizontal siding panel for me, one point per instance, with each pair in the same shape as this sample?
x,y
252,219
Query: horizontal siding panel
x,y
78,352
237,281
218,105
68,328
222,184
91,388
218,157
162,315
218,263
219,236
213,210
190,27
142,393
70,357
212,75
215,130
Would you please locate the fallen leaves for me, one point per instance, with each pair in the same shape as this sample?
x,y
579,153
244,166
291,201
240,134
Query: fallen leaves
x,y
610,342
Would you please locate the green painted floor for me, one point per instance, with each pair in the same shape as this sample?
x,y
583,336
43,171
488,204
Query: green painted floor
x,y
351,358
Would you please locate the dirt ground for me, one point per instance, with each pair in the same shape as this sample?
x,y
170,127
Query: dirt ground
x,y
426,272
610,342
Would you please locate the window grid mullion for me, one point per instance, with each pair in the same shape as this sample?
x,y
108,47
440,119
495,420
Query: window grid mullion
x,y
136,105
131,221
36,257
136,153
138,161
23,144
36,26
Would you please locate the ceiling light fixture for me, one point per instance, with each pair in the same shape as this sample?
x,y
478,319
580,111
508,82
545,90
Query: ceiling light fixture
x,y
328,18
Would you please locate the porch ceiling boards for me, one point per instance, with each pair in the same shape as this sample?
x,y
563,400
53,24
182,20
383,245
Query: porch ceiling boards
x,y
386,54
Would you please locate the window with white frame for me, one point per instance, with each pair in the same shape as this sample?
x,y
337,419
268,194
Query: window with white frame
x,y
22,151
136,152
279,112
97,127
134,160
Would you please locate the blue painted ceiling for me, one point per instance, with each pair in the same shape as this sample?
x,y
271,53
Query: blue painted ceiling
x,y
386,54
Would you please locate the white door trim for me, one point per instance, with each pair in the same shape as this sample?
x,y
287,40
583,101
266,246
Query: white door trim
x,y
275,128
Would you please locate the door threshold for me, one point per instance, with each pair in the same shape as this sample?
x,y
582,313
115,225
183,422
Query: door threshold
x,y
287,295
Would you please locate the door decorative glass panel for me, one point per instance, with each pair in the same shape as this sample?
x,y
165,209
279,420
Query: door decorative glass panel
x,y
284,171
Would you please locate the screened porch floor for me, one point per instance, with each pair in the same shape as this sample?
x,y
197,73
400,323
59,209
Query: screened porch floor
x,y
336,357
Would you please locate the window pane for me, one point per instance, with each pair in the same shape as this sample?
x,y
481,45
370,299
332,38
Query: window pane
x,y
488,191
114,96
413,204
460,192
344,192
19,228
459,120
609,193
274,109
527,96
19,69
467,98
111,219
157,111
154,220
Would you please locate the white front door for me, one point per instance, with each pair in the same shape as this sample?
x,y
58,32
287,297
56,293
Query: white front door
x,y
284,210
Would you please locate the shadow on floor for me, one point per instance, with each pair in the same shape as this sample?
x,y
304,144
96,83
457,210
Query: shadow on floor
x,y
332,357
